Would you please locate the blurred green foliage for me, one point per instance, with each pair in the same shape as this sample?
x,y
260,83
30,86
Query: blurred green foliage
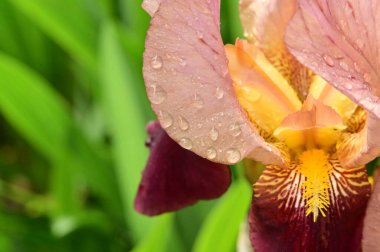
x,y
73,111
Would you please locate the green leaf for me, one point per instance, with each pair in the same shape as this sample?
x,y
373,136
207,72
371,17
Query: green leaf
x,y
67,22
125,121
33,107
230,212
158,238
42,117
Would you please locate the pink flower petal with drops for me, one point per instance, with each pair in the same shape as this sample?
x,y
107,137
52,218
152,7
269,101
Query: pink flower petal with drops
x,y
339,41
187,80
175,178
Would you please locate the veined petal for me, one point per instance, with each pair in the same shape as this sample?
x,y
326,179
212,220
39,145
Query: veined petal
x,y
186,76
264,24
175,178
278,215
340,41
362,145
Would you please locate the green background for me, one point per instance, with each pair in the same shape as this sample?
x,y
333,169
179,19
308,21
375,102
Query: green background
x,y
73,111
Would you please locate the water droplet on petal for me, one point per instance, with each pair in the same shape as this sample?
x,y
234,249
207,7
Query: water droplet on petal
x,y
165,119
360,43
234,129
329,61
211,153
186,143
156,62
233,155
367,77
183,123
198,101
349,86
157,94
344,65
214,134
219,93
182,62
357,68
199,34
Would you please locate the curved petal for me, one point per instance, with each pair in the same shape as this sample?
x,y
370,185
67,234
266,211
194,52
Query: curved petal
x,y
371,234
360,147
264,24
175,178
186,76
278,218
340,41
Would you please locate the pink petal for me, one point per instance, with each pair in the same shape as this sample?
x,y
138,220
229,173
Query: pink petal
x,y
175,178
371,234
186,76
339,41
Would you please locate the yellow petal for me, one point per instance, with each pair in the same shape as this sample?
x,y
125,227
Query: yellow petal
x,y
314,126
331,97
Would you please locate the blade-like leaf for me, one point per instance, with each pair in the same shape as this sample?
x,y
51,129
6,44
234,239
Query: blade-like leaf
x,y
72,28
125,121
42,117
158,238
221,228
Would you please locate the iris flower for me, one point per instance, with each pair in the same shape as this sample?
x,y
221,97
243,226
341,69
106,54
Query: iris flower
x,y
299,94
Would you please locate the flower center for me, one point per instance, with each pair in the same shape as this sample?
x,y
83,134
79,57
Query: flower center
x,y
315,166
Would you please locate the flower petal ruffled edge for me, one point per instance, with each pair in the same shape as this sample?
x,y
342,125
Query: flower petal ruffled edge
x,y
339,42
175,178
186,76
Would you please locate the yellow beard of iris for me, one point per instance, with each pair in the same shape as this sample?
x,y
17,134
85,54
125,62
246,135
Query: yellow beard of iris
x,y
315,166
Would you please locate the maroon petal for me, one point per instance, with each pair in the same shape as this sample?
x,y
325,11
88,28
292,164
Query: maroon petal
x,y
278,218
175,178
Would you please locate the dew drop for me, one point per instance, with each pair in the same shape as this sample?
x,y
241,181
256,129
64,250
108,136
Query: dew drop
x,y
329,61
156,62
357,68
183,123
349,86
234,129
344,65
165,118
182,62
198,101
367,77
219,93
233,155
186,143
214,134
157,95
199,35
360,43
211,153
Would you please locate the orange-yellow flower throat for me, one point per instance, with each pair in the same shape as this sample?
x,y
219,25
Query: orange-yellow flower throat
x,y
307,130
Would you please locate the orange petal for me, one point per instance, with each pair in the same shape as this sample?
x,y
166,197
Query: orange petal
x,y
255,90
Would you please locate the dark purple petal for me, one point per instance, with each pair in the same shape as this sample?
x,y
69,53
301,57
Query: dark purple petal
x,y
175,178
278,220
